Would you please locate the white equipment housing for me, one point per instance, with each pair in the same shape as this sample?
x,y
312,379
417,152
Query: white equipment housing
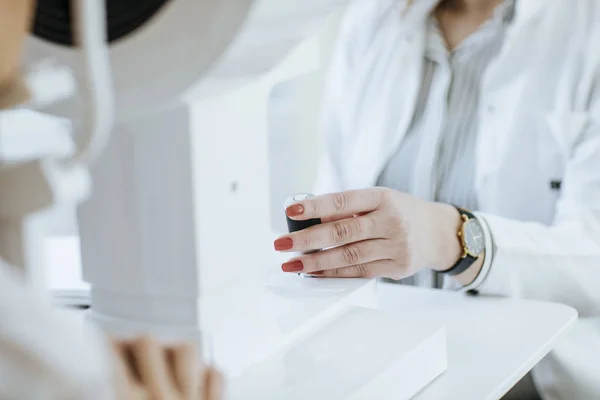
x,y
174,211
177,233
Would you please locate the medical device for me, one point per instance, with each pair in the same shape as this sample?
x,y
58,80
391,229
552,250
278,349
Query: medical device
x,y
168,103
150,88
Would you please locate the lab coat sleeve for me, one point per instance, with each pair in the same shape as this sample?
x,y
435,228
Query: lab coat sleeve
x,y
46,353
561,262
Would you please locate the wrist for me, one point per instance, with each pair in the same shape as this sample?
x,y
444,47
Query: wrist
x,y
471,274
449,249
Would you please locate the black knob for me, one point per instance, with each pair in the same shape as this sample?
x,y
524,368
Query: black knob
x,y
294,225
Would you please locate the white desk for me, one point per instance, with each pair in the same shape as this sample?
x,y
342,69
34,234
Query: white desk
x,y
492,343
495,340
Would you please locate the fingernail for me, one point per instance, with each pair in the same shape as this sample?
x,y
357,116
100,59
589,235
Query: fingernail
x,y
284,244
292,266
295,210
316,273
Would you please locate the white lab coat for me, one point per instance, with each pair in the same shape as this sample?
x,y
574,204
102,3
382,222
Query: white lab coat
x,y
46,353
539,123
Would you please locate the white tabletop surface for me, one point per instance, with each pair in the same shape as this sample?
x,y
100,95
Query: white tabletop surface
x,y
492,342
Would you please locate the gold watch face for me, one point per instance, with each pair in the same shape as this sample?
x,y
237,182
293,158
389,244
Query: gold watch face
x,y
473,237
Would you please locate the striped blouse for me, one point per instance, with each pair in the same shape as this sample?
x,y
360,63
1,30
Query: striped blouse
x,y
441,150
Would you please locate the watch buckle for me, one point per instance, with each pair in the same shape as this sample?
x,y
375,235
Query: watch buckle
x,y
463,243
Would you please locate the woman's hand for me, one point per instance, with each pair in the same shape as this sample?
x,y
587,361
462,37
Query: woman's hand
x,y
148,370
372,233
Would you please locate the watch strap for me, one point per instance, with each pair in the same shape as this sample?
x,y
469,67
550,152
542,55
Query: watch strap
x,y
466,213
461,266
465,262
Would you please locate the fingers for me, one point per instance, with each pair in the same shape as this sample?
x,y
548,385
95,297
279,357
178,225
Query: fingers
x,y
336,233
212,385
344,256
333,218
325,220
127,384
377,269
147,369
123,366
153,368
337,205
186,370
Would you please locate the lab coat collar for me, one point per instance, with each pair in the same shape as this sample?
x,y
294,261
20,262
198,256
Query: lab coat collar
x,y
419,10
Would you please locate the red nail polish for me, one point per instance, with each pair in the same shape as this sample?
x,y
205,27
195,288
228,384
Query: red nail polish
x,y
295,210
284,244
292,266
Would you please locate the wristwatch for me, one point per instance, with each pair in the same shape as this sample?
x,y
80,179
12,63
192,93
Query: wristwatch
x,y
472,237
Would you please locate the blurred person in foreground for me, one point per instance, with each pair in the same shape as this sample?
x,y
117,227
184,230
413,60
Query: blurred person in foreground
x,y
462,149
45,353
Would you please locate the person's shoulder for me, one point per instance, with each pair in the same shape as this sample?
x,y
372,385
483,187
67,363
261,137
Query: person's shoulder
x,y
374,9
583,14
586,24
581,20
367,15
591,14
362,21
578,22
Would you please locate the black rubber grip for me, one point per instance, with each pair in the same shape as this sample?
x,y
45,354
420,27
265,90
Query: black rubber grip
x,y
295,226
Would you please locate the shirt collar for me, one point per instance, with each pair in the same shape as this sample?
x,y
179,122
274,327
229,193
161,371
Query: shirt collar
x,y
436,47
